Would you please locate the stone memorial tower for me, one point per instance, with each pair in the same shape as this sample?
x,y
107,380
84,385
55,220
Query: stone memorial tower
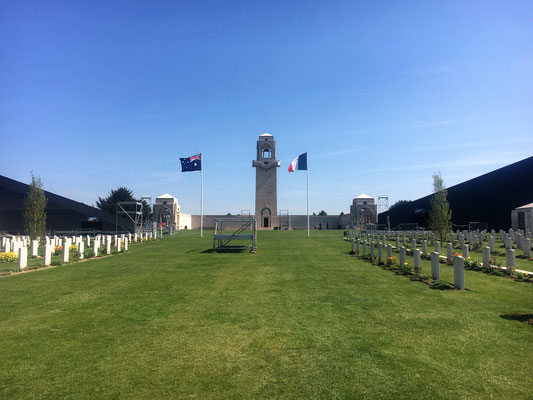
x,y
266,192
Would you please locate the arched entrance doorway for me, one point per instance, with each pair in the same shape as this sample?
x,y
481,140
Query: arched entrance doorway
x,y
265,218
365,216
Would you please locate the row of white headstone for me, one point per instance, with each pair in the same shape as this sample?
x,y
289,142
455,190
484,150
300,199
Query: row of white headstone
x,y
12,244
19,245
474,238
458,260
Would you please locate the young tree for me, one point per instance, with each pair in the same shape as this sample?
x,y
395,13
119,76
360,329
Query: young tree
x,y
33,215
440,214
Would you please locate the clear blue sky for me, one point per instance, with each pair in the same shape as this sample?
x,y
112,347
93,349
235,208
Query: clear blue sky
x,y
100,94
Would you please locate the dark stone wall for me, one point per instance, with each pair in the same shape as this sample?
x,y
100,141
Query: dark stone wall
x,y
488,198
62,214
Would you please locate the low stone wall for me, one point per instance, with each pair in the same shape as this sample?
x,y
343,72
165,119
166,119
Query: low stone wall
x,y
295,221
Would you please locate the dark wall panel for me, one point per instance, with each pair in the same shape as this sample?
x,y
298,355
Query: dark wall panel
x,y
62,214
488,198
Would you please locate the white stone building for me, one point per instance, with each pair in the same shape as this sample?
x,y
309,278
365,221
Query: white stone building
x,y
522,218
168,211
364,210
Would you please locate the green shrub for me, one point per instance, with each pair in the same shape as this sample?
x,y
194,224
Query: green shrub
x,y
522,276
89,253
57,263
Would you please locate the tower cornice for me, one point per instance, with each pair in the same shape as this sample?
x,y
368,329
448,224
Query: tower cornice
x,y
265,164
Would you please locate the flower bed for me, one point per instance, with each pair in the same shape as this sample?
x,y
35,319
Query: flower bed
x,y
8,256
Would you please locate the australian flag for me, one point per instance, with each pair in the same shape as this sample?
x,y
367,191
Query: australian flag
x,y
193,163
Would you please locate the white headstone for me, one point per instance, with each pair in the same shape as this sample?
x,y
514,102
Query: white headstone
x,y
23,257
527,247
466,252
459,272
485,251
417,262
66,253
34,248
47,254
449,252
510,260
435,267
402,256
491,244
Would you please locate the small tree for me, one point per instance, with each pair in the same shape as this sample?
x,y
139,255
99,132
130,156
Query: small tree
x,y
33,215
322,213
440,214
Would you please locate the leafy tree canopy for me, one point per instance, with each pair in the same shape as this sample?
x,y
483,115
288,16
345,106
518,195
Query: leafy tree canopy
x,y
399,203
109,203
323,213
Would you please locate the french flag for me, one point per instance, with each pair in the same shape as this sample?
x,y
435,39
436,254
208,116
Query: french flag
x,y
299,163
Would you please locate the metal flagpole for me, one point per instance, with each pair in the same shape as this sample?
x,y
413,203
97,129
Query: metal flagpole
x,y
307,156
202,191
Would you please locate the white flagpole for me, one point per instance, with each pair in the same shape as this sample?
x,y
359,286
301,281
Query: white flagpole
x,y
202,191
307,156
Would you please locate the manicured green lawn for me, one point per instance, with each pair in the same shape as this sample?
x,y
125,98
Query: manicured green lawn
x,y
299,319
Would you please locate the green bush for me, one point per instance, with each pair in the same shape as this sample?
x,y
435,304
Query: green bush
x,y
89,253
57,263
522,276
